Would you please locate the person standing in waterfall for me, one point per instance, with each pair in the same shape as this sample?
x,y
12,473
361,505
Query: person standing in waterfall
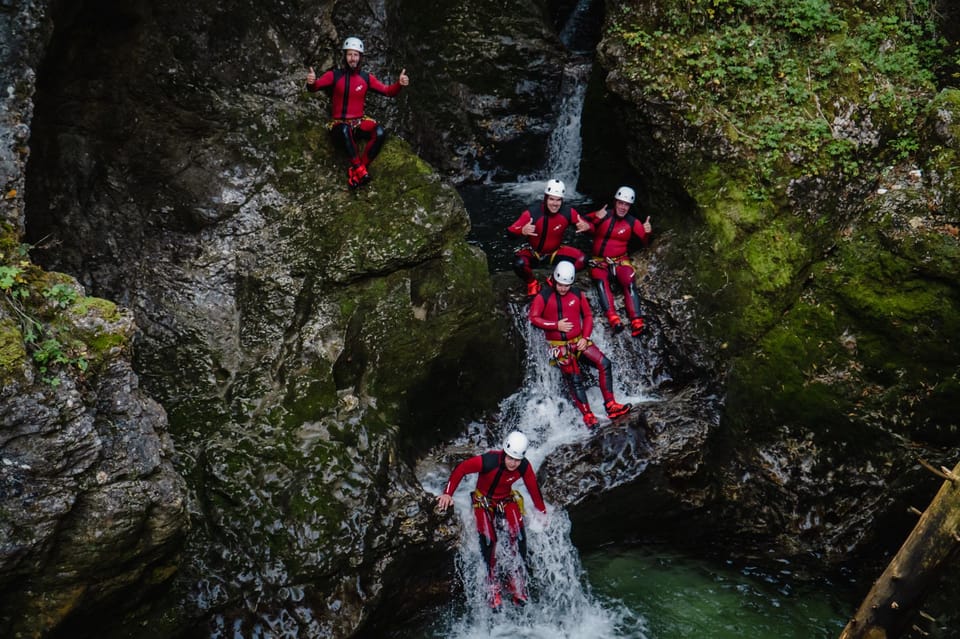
x,y
495,500
563,312
543,224
349,124
611,261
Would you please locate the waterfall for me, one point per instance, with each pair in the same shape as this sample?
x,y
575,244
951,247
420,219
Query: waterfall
x,y
561,605
491,204
565,144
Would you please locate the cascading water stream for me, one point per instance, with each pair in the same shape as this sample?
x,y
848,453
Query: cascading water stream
x,y
565,145
490,205
561,605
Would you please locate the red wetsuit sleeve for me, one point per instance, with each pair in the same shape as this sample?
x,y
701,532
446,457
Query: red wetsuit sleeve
x,y
576,217
322,82
587,316
379,87
639,231
517,227
466,467
592,217
530,481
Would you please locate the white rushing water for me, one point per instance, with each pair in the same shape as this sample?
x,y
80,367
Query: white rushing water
x,y
565,145
561,605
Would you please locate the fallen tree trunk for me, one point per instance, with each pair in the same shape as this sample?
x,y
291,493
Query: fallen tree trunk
x,y
892,604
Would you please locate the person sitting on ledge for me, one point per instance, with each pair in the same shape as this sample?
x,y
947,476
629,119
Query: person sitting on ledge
x,y
349,124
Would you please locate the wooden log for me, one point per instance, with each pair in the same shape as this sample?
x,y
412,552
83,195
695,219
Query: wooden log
x,y
891,606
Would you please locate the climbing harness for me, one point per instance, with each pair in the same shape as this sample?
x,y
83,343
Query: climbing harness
x,y
351,122
611,263
497,506
564,352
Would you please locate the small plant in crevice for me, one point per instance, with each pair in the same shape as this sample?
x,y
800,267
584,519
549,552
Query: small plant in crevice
x,y
49,349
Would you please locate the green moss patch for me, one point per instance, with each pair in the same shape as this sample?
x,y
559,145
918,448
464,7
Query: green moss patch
x,y
769,75
13,353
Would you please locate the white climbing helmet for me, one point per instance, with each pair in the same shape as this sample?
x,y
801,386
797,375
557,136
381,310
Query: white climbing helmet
x,y
564,273
625,194
555,188
355,44
515,445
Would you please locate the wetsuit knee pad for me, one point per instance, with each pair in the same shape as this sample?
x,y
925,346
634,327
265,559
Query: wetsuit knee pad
x,y
634,296
596,358
575,383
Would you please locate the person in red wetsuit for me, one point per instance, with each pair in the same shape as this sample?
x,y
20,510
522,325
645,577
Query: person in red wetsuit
x,y
493,499
349,123
563,312
610,260
543,224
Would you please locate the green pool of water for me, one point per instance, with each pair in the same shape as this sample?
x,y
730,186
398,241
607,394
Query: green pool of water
x,y
681,598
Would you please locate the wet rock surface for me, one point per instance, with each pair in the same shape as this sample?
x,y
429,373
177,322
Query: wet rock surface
x,y
490,86
302,337
639,474
93,510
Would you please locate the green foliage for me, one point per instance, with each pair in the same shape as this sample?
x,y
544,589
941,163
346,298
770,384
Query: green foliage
x,y
48,349
806,18
61,294
12,281
791,82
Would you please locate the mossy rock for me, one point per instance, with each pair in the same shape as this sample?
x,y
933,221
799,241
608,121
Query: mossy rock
x,y
57,326
941,154
406,215
13,352
872,342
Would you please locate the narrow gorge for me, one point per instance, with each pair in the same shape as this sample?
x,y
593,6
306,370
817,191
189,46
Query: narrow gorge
x,y
230,382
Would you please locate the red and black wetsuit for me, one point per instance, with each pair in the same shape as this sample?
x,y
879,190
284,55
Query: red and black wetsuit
x,y
546,246
495,497
611,237
546,310
349,91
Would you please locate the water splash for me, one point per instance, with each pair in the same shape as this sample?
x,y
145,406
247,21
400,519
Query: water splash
x,y
561,605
